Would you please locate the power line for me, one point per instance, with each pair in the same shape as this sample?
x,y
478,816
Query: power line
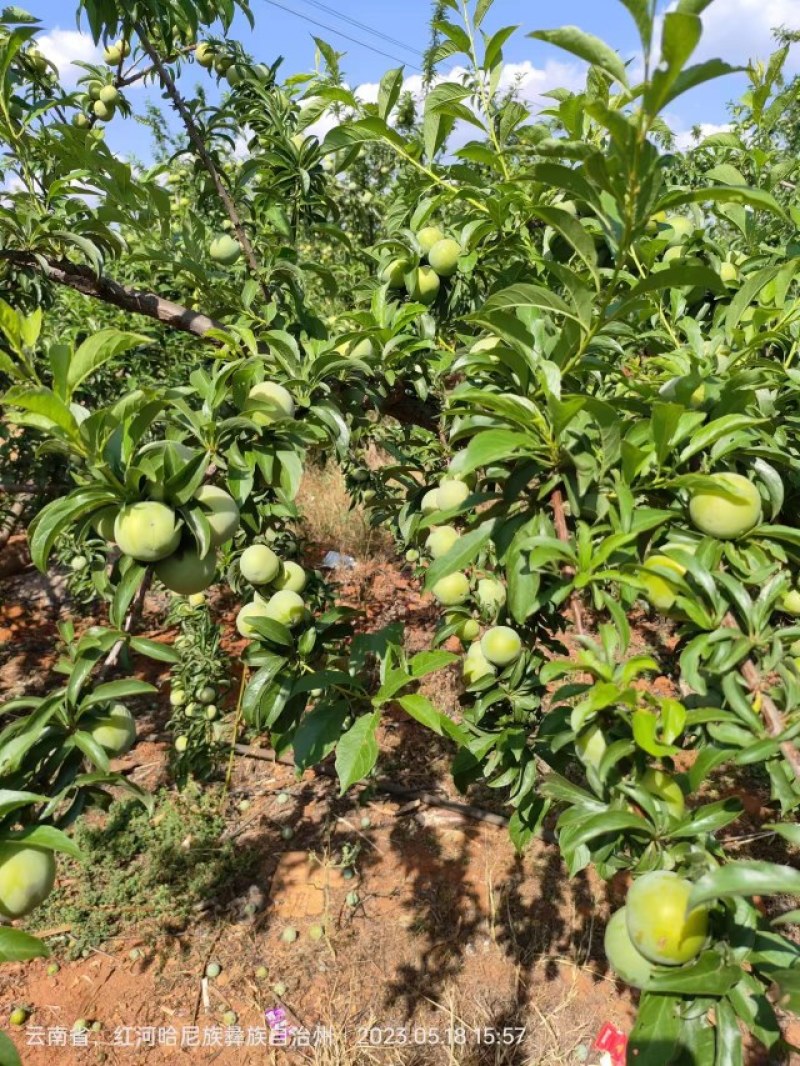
x,y
340,33
363,26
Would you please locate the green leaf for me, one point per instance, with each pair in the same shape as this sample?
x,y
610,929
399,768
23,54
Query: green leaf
x,y
521,297
12,801
129,585
45,404
788,982
47,836
708,976
655,1037
357,751
465,550
585,46
640,13
9,1056
607,822
729,1037
423,711
117,690
745,879
17,946
317,734
98,349
727,194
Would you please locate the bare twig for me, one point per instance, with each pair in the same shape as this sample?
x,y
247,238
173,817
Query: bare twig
x,y
196,138
12,520
560,522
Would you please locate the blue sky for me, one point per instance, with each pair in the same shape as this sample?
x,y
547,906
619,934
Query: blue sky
x,y
738,30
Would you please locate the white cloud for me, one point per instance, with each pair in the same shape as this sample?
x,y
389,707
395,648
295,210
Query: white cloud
x,y
740,30
685,139
64,47
529,81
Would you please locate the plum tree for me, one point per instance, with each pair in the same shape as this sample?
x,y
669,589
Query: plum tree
x,y
626,962
728,509
27,876
658,923
259,564
187,572
147,531
114,730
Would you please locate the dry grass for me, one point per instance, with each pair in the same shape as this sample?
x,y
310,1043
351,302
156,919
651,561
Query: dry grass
x,y
331,520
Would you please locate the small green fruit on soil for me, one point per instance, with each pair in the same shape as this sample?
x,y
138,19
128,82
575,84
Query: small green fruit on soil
x,y
289,935
724,517
221,512
440,540
18,1016
501,645
291,577
27,876
230,1017
450,494
279,988
659,591
626,962
114,731
262,973
52,969
427,237
316,932
186,572
591,746
423,285
452,590
213,969
147,531
665,788
443,257
225,250
352,899
274,403
657,920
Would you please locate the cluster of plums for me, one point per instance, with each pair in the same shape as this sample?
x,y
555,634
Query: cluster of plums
x,y
423,281
499,646
654,929
284,580
100,102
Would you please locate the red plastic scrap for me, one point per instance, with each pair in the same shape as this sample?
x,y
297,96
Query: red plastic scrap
x,y
614,1041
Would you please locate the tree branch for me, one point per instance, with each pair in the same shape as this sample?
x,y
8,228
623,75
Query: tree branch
x,y
83,280
560,522
196,138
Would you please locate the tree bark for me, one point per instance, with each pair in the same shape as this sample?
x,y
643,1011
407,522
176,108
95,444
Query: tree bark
x,y
83,280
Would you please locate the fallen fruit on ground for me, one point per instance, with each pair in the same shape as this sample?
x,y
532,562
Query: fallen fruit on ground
x,y
27,876
657,922
726,516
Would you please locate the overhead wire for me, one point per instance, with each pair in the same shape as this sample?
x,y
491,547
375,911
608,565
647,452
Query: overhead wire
x,y
341,33
363,26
